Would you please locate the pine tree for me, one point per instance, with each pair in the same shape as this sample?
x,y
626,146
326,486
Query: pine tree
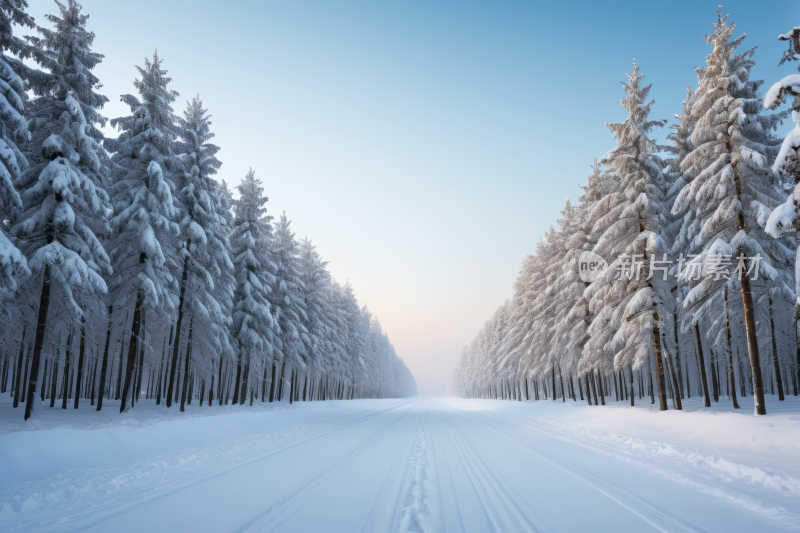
x,y
65,51
732,192
13,130
144,223
253,266
785,218
631,305
62,206
318,318
287,300
207,267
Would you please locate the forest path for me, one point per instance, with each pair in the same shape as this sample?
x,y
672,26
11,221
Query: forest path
x,y
416,464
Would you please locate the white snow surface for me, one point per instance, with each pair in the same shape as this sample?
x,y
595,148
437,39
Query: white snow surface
x,y
416,464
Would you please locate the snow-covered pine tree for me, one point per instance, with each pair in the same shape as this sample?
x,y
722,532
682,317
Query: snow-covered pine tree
x,y
515,328
357,339
65,51
62,207
733,191
319,326
569,288
631,305
207,266
13,130
786,217
548,252
250,241
681,147
145,218
287,300
574,327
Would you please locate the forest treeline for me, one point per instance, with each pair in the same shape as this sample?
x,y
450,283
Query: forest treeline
x,y
126,268
699,296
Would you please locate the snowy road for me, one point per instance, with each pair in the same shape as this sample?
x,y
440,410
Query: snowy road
x,y
390,465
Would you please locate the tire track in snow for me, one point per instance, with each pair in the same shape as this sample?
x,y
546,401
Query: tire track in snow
x,y
281,509
660,518
453,492
504,510
414,504
145,496
729,495
388,496
614,442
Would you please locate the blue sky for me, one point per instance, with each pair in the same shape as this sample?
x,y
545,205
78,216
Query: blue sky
x,y
425,147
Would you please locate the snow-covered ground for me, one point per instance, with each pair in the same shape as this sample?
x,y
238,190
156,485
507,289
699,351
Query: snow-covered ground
x,y
419,464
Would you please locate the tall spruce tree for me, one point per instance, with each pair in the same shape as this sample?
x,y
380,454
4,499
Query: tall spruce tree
x,y
732,192
207,268
631,305
252,318
13,131
145,224
62,205
287,301
786,217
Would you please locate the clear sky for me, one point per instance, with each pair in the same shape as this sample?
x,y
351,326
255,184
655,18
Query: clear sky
x,y
425,147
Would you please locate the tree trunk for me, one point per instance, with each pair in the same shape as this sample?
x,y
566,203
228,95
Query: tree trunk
x,y
264,384
714,380
601,390
245,381
125,404
797,366
44,304
729,355
220,388
4,374
18,373
53,380
238,378
701,359
630,369
44,380
184,390
227,385
119,363
184,276
655,334
67,354
94,380
752,346
80,361
281,380
775,362
104,365
675,381
678,352
161,370
138,391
